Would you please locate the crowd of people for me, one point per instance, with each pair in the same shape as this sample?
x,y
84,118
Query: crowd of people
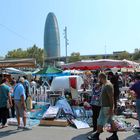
x,y
13,96
104,98
103,104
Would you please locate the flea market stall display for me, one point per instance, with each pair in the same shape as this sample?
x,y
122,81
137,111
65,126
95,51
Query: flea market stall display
x,y
66,102
53,107
61,97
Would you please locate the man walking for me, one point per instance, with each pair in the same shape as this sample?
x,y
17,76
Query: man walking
x,y
107,109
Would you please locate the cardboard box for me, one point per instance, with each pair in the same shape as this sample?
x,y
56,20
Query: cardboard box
x,y
55,122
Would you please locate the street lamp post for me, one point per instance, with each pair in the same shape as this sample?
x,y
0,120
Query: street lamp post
x,y
66,42
105,50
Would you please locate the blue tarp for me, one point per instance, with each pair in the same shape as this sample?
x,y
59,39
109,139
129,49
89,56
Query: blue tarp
x,y
53,74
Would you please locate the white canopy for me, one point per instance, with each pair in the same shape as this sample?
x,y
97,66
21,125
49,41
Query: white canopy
x,y
13,71
101,63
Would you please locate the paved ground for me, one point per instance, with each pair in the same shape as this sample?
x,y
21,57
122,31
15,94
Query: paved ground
x,y
58,133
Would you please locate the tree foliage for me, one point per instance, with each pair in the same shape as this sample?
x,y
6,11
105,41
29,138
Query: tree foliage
x,y
17,53
85,58
136,55
75,56
98,57
37,53
124,55
32,52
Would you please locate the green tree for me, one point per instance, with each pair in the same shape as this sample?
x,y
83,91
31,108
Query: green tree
x,y
17,53
124,55
32,52
37,53
112,57
98,57
75,56
136,54
85,57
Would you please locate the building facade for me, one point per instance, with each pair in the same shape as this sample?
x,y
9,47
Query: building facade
x,y
51,37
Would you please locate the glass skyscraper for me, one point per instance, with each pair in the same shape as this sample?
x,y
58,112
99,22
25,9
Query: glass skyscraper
x,y
51,37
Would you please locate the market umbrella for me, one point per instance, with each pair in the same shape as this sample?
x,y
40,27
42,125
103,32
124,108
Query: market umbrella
x,y
49,70
101,63
11,70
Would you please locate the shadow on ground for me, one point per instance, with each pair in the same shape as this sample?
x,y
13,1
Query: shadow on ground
x,y
8,133
82,136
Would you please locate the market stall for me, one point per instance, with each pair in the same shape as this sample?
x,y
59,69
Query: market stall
x,y
100,64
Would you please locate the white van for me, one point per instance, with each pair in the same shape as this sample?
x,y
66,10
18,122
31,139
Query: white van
x,y
63,82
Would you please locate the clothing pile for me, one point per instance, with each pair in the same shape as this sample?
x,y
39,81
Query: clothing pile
x,y
121,123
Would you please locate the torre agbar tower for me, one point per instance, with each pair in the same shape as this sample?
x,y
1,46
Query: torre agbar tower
x,y
51,37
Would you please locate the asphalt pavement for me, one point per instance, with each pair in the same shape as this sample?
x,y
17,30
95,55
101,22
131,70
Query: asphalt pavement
x,y
59,133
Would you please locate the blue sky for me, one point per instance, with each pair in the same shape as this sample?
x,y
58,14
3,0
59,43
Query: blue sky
x,y
91,24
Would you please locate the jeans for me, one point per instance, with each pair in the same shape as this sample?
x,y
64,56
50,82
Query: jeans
x,y
3,115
